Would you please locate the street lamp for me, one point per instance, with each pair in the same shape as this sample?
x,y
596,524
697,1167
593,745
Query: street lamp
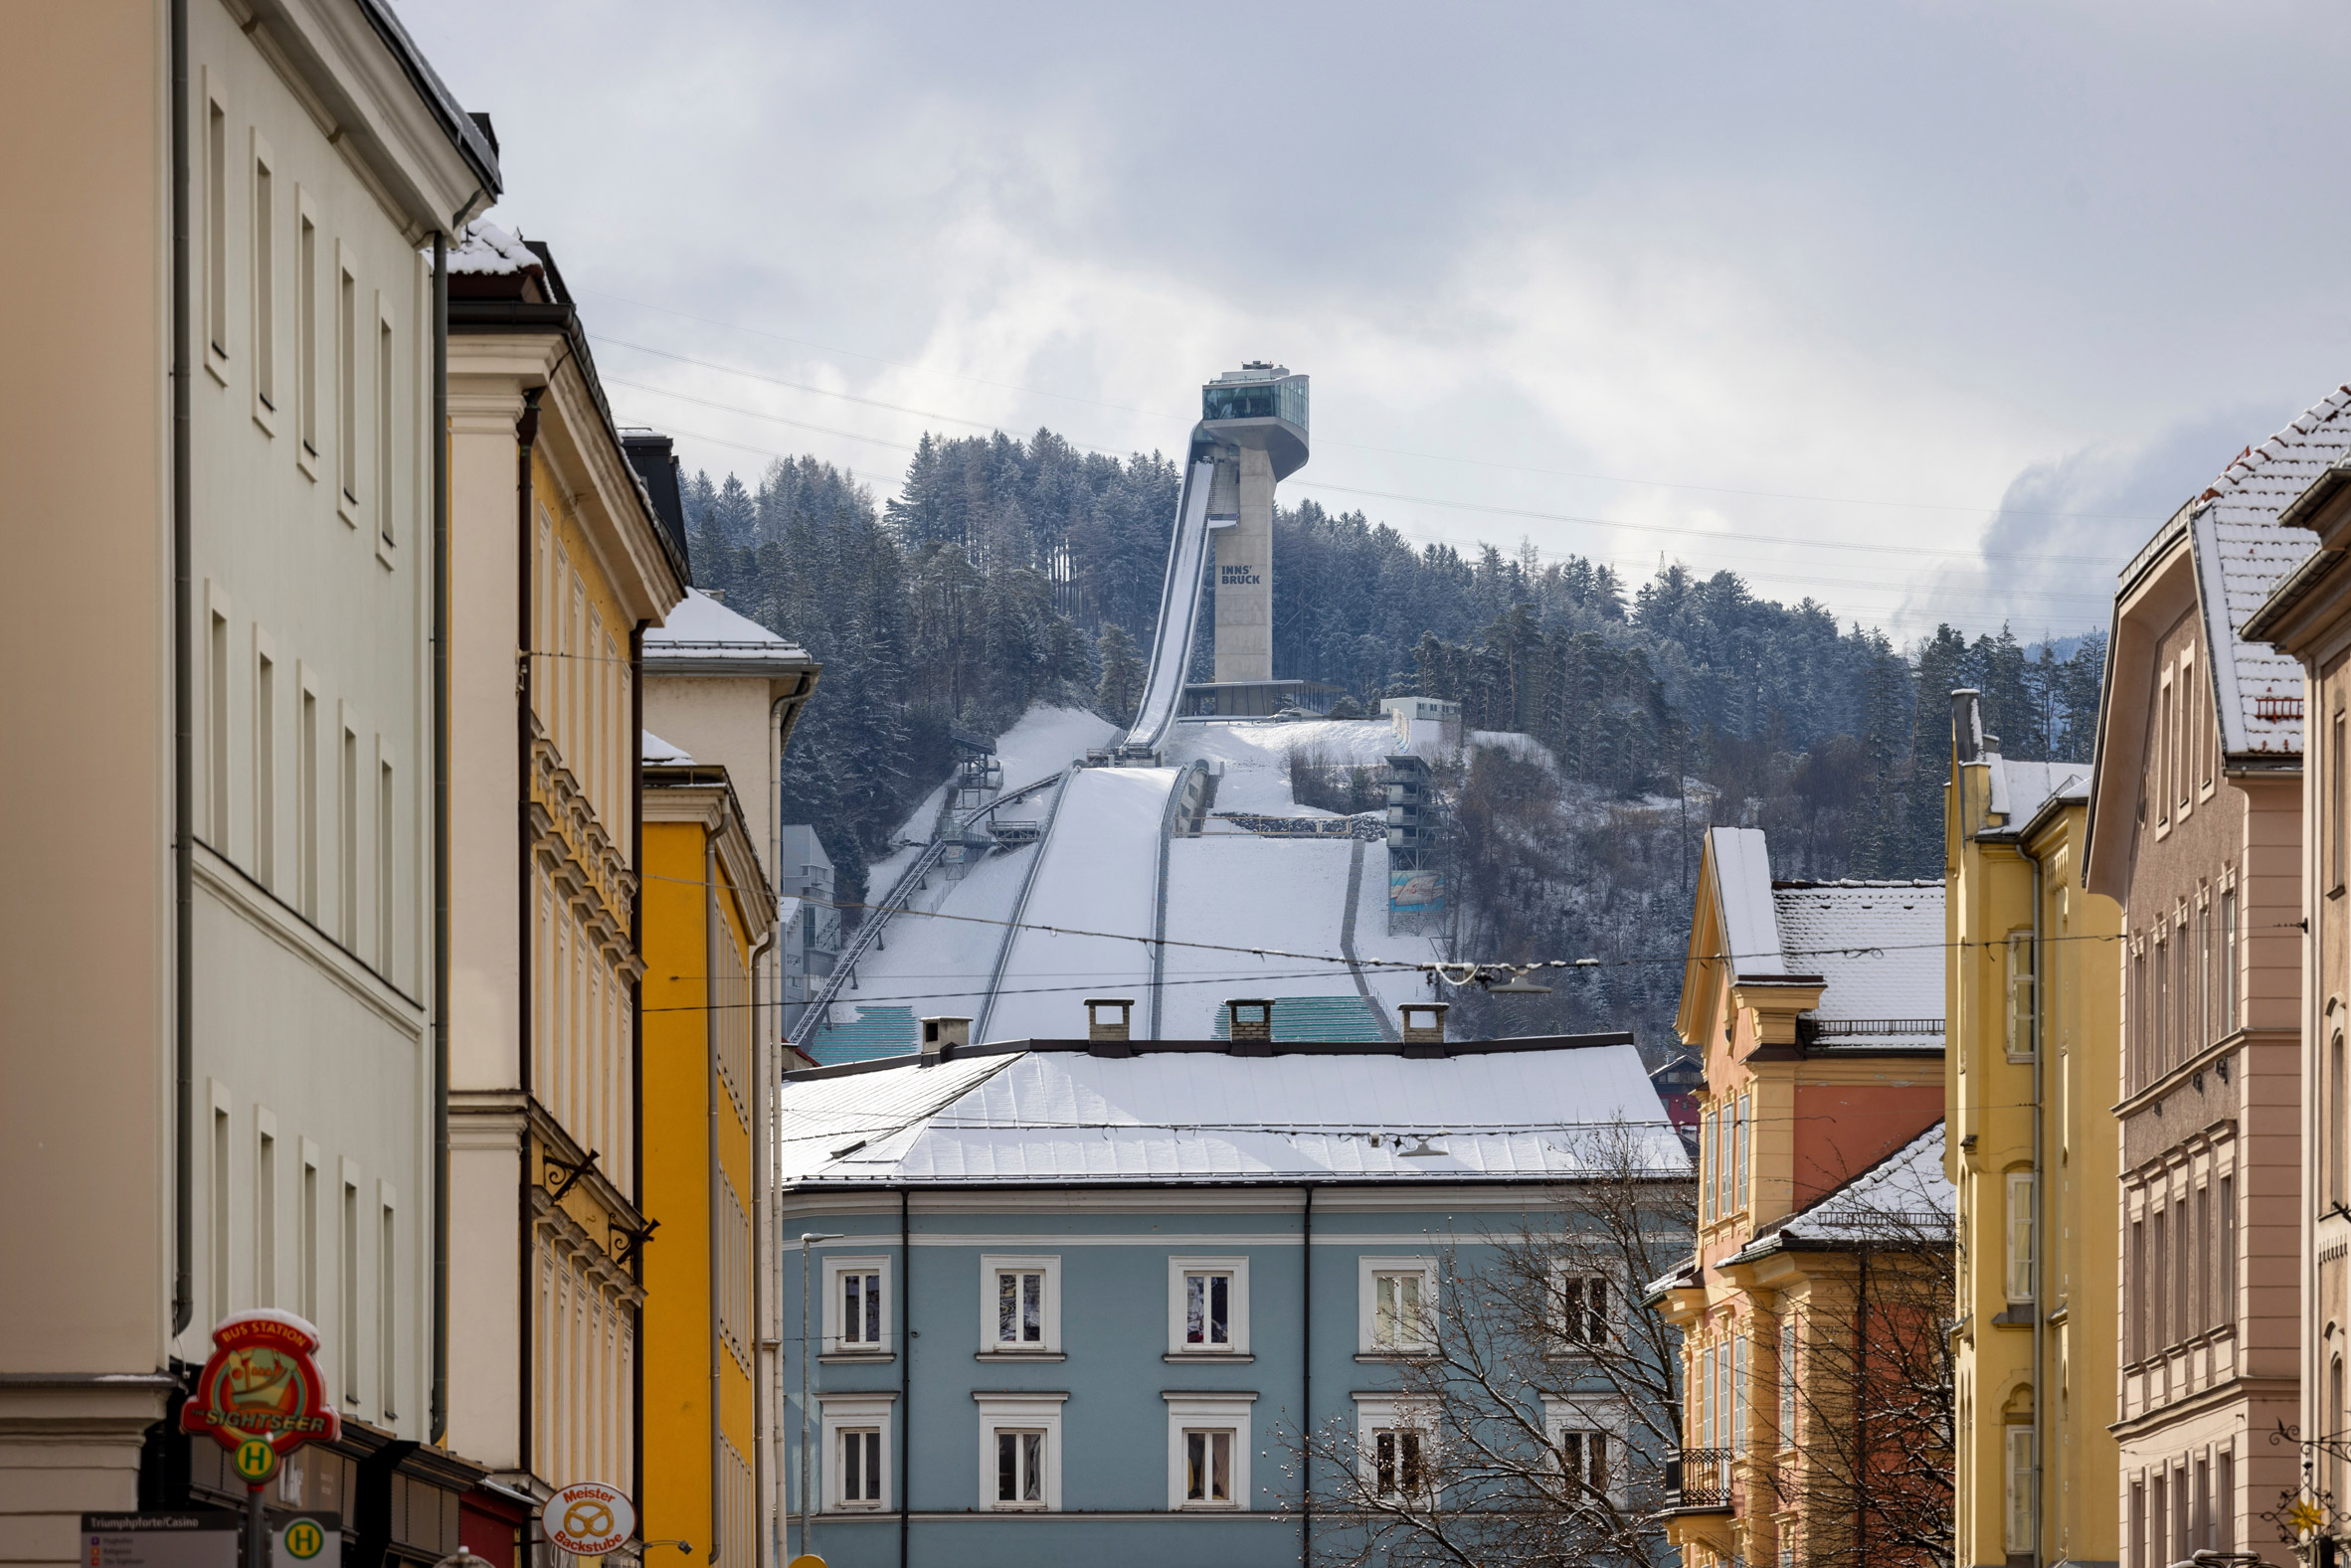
x,y
806,1502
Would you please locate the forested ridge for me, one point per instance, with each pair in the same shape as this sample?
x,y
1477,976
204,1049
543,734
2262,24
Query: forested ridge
x,y
1010,572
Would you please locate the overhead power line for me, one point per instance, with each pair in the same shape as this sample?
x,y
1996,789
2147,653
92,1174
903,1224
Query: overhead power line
x,y
1976,509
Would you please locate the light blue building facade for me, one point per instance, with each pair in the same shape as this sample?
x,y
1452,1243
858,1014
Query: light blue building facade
x,y
1079,1298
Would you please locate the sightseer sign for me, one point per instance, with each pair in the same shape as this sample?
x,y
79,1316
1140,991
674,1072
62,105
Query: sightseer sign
x,y
261,1394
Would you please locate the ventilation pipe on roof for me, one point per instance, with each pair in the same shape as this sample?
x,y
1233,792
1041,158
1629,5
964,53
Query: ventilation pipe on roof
x,y
1967,726
942,1034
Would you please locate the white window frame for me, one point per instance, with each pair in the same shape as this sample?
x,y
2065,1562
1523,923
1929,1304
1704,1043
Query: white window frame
x,y
2019,1240
1562,1415
1376,1413
2023,1014
992,1264
1021,1412
835,1318
1193,1412
838,1413
1367,1270
1237,1308
2017,1487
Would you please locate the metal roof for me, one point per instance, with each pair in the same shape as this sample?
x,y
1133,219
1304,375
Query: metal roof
x,y
1065,1116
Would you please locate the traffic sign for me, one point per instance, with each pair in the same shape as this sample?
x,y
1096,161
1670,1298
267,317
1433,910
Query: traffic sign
x,y
260,1390
589,1518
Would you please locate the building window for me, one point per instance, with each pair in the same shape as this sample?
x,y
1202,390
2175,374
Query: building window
x,y
346,392
860,1468
2157,1284
265,765
306,803
1020,1452
856,1450
1787,1381
306,1244
216,687
265,280
2335,1110
2225,1276
1399,1304
387,921
1020,1305
1208,1451
1739,1155
2137,1291
347,843
2229,961
215,230
1583,1464
1207,1306
265,1209
385,468
2338,800
1582,1308
2022,1015
2162,1008
348,1316
2021,1191
387,1311
2020,1490
856,1306
305,335
1207,1466
220,1201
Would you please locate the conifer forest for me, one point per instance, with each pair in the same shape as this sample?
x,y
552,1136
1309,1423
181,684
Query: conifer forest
x,y
1007,573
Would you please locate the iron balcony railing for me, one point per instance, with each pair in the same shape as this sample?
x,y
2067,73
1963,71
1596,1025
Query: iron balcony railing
x,y
1700,1479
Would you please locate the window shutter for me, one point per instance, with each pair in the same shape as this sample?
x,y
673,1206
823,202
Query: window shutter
x,y
2020,1237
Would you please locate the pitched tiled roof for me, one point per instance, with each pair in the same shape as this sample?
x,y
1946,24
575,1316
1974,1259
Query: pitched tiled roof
x,y
1878,944
2242,555
1904,1197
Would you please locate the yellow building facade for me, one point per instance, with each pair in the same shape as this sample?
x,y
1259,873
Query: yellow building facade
x,y
2034,1012
708,917
559,561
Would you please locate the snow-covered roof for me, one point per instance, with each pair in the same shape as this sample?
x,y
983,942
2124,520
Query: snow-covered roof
x,y
1742,888
1904,1197
1878,946
652,749
702,628
2242,554
1057,1117
2021,789
490,250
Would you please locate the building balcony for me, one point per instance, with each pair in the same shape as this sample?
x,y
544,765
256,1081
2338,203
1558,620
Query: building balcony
x,y
1699,1481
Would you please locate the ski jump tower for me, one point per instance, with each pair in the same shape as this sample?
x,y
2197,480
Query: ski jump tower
x,y
1255,420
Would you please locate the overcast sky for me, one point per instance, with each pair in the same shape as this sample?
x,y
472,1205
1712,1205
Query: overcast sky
x,y
1931,311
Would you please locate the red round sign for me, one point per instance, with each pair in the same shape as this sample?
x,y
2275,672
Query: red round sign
x,y
261,1380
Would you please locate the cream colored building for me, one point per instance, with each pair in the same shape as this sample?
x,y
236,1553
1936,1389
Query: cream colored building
x,y
559,564
217,944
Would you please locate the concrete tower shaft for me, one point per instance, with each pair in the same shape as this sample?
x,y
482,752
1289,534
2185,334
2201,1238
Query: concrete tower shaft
x,y
1255,421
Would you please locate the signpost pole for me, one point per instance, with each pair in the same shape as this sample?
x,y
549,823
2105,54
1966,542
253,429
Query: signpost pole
x,y
257,1529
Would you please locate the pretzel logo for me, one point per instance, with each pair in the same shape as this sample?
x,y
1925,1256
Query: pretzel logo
x,y
588,1519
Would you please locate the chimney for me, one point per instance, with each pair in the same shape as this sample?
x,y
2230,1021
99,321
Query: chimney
x,y
941,1035
1424,1027
1109,1024
1251,1025
1967,726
